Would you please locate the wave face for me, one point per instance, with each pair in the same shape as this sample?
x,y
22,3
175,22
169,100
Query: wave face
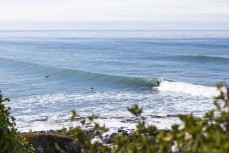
x,y
76,75
150,83
49,73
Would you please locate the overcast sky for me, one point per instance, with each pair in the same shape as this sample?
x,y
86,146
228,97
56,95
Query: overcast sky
x,y
115,14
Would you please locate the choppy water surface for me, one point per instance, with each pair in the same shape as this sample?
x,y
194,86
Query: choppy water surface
x,y
49,73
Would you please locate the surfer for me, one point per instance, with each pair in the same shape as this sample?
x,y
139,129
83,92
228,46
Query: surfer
x,y
92,88
46,76
158,83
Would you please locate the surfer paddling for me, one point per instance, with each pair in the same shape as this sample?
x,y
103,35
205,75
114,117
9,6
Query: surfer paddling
x,y
48,76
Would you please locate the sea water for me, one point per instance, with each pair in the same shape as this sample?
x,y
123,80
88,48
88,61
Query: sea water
x,y
49,73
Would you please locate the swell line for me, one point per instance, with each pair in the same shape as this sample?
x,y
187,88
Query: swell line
x,y
201,58
56,72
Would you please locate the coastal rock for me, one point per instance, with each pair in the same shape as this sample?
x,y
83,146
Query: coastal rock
x,y
52,143
108,139
93,132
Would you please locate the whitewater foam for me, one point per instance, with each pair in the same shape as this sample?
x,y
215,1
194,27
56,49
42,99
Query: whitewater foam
x,y
111,123
187,88
52,111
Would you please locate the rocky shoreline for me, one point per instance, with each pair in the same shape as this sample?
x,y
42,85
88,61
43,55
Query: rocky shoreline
x,y
57,141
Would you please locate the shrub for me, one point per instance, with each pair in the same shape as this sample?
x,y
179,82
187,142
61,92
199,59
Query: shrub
x,y
10,141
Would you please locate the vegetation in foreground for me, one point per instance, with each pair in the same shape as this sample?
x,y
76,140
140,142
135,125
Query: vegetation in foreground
x,y
10,140
209,134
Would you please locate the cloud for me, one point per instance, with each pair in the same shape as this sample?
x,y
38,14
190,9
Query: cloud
x,y
109,9
117,11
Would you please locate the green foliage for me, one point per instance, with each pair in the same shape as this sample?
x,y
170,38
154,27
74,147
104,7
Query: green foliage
x,y
84,137
209,134
10,142
135,110
8,133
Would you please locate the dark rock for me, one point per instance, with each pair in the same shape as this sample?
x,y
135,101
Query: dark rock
x,y
130,120
52,143
172,115
109,138
123,132
93,132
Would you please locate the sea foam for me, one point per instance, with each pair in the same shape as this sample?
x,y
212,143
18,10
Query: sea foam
x,y
187,88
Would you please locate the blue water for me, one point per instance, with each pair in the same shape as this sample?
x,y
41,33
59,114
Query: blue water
x,y
49,73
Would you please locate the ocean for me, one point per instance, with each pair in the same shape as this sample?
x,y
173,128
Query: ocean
x,y
47,74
